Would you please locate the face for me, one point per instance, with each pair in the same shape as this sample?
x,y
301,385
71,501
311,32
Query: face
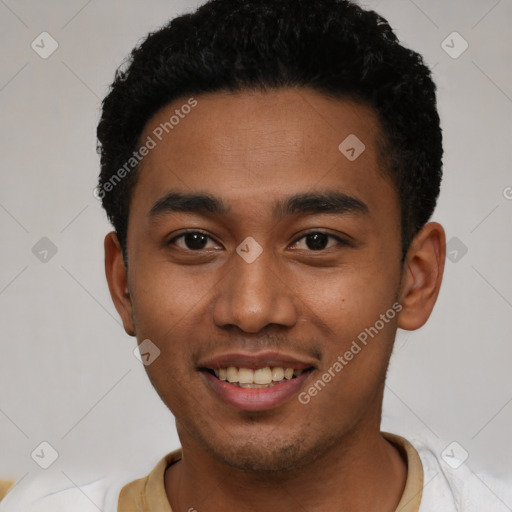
x,y
256,244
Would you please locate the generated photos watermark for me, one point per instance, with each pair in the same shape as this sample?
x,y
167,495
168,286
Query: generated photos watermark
x,y
354,349
150,143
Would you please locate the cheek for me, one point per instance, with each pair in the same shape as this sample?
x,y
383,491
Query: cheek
x,y
164,296
163,309
349,298
359,339
351,377
165,306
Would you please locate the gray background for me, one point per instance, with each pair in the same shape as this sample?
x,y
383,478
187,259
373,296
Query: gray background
x,y
68,375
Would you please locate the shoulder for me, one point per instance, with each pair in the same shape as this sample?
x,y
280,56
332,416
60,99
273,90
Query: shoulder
x,y
5,485
449,479
57,493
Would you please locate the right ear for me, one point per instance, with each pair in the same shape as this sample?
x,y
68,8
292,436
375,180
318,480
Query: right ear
x,y
117,279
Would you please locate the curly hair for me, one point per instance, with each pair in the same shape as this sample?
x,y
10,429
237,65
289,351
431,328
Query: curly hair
x,y
331,46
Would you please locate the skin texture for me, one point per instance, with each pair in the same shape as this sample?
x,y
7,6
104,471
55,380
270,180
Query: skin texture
x,y
251,149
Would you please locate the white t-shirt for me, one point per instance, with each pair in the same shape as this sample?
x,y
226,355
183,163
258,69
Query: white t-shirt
x,y
434,484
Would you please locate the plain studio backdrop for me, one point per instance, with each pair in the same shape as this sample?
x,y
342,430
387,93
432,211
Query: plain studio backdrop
x,y
68,375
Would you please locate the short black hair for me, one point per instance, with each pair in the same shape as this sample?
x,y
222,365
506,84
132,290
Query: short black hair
x,y
331,46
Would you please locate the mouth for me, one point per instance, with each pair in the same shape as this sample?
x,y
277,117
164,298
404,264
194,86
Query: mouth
x,y
251,382
256,378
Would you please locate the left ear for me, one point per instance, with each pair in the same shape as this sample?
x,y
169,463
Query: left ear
x,y
422,276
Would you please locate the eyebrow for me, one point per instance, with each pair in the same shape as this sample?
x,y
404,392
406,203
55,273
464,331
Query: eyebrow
x,y
330,202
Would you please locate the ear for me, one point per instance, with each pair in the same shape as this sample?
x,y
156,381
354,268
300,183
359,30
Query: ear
x,y
422,276
118,281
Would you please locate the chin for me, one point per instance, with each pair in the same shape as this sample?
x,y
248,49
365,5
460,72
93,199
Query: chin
x,y
273,455
262,459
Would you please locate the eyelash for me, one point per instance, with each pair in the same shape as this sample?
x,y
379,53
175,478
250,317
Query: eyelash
x,y
340,241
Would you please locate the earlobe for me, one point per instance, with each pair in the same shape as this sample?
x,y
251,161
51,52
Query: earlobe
x,y
117,279
422,276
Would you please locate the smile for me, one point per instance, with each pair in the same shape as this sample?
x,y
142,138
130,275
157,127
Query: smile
x,y
256,378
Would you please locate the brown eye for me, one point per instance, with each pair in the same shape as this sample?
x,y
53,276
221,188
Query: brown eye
x,y
318,241
193,241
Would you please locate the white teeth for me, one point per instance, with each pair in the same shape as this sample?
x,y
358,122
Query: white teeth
x,y
277,374
262,377
232,374
245,376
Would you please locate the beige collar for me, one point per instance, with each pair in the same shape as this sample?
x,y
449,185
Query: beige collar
x,y
148,494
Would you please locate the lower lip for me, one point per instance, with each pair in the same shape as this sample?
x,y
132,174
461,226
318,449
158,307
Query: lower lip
x,y
255,399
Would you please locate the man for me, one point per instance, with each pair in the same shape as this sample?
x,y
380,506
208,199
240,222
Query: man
x,y
270,169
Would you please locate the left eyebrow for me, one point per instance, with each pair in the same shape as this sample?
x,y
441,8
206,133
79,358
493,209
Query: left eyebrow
x,y
317,203
330,202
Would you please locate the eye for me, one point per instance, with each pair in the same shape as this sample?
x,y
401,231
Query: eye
x,y
314,241
191,240
318,241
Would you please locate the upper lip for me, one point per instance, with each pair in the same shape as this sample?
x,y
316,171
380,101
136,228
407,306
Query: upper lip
x,y
255,360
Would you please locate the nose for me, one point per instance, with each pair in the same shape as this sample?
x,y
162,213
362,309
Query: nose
x,y
254,295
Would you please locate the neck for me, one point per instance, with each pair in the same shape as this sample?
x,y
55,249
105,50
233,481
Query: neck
x,y
363,472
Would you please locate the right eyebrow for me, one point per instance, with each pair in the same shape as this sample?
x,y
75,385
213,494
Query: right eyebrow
x,y
193,203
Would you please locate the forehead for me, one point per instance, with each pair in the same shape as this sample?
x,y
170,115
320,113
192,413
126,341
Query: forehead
x,y
252,148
